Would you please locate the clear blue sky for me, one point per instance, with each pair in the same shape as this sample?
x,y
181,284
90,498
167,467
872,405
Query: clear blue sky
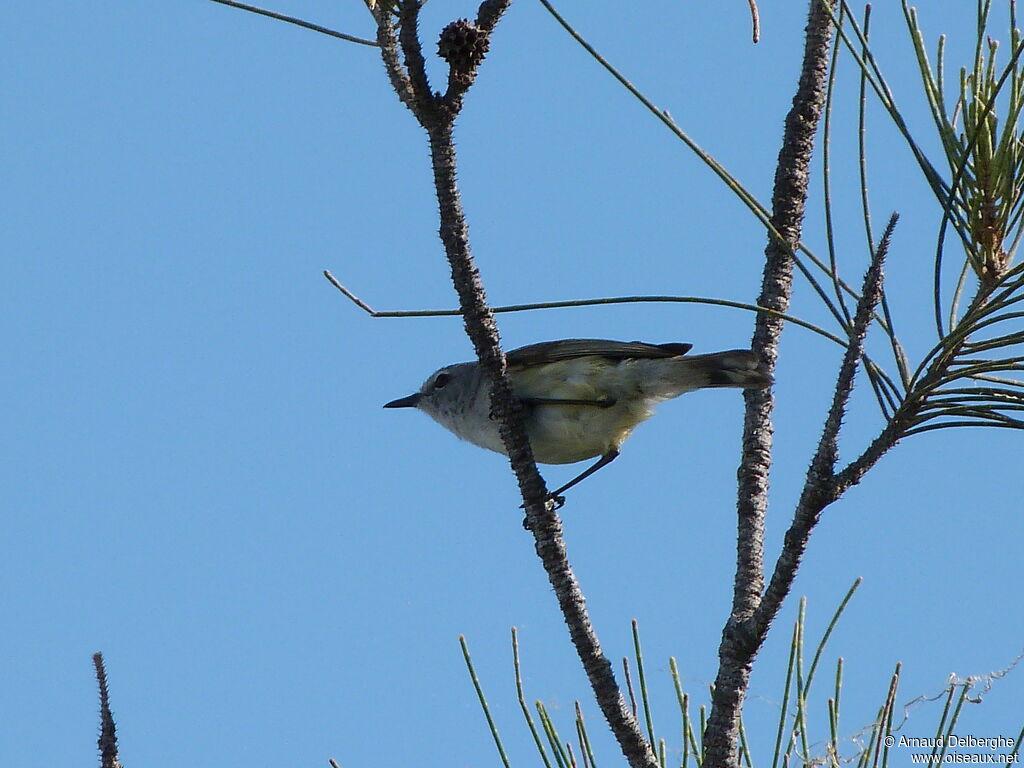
x,y
198,478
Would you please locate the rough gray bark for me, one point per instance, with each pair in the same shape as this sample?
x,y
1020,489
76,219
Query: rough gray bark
x,y
463,45
107,740
739,646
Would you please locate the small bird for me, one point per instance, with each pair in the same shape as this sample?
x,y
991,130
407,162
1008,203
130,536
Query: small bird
x,y
582,397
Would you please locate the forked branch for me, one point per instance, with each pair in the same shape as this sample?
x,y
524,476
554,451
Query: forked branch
x,y
820,488
463,45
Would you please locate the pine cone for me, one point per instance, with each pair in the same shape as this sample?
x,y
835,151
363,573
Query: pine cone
x,y
462,45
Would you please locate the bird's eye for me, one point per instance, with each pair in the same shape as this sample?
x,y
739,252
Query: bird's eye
x,y
441,380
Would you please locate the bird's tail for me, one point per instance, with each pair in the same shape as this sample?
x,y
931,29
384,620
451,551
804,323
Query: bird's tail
x,y
735,368
739,368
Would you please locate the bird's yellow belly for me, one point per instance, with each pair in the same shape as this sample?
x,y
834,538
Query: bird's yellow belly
x,y
564,434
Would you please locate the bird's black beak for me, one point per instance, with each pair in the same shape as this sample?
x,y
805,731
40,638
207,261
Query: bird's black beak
x,y
405,402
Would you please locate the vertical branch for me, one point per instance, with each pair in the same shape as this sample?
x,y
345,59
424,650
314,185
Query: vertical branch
x,y
821,488
388,43
463,45
737,650
477,316
107,741
416,67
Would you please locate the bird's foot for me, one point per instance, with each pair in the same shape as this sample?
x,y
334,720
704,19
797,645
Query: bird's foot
x,y
559,502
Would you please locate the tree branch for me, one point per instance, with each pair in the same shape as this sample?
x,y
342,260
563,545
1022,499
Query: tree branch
x,y
295,21
437,115
107,741
415,66
388,42
604,301
736,652
821,488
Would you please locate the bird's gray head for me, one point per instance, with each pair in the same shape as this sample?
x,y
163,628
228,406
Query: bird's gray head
x,y
447,394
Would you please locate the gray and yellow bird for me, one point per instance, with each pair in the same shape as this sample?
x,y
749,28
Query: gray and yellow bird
x,y
583,397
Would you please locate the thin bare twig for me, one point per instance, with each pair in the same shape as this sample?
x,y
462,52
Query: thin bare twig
x,y
356,300
296,22
610,300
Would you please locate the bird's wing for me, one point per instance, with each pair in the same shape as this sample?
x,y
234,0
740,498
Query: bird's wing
x,y
566,349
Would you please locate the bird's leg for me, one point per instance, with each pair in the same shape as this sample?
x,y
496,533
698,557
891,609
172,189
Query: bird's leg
x,y
557,496
604,461
608,458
